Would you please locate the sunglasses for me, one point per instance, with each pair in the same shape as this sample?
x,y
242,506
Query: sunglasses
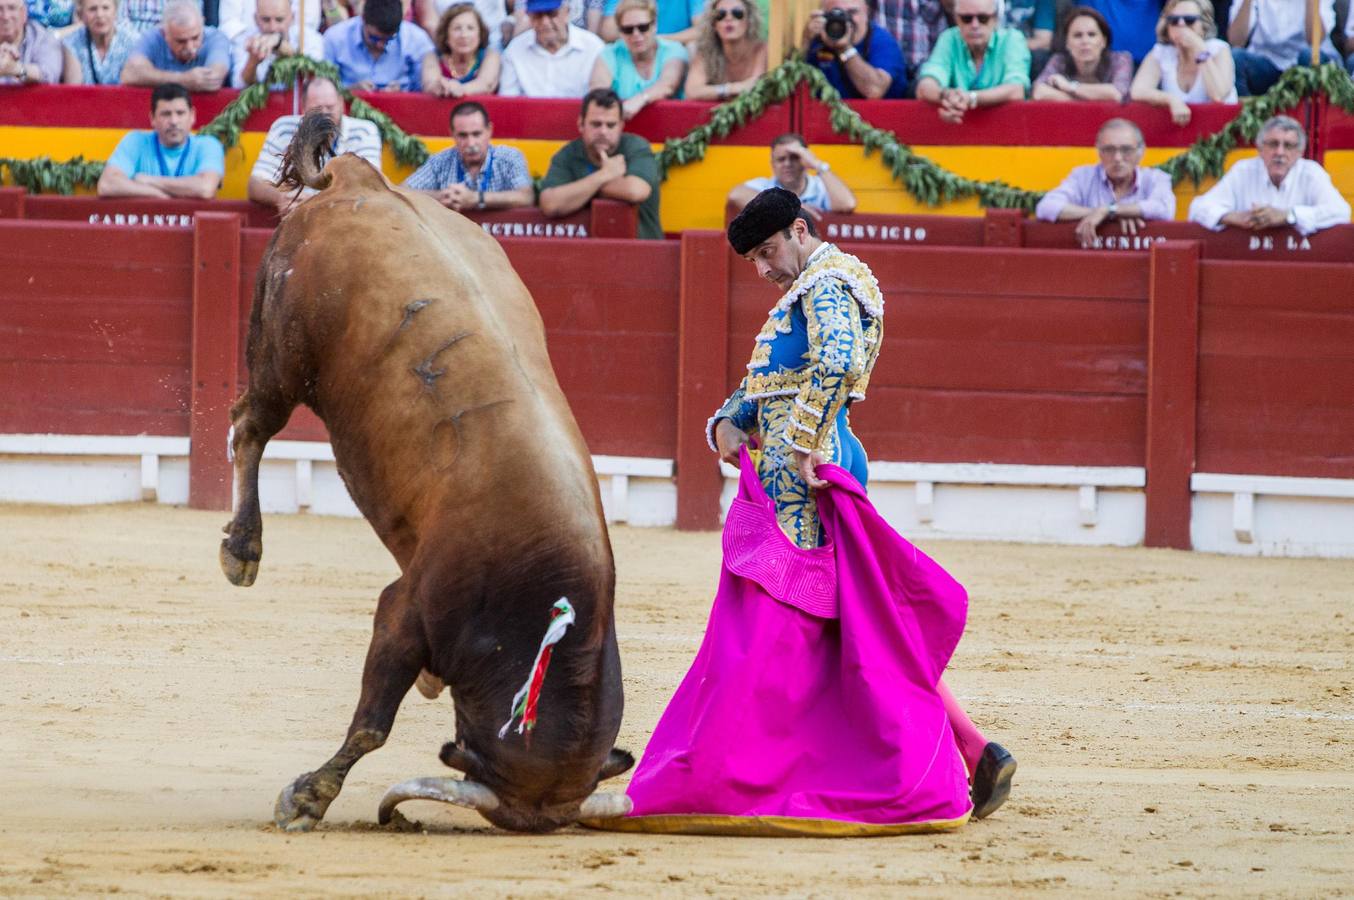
x,y
1182,20
980,18
632,29
376,37
722,14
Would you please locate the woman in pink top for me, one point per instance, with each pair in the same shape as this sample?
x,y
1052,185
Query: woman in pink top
x,y
1084,68
1188,64
463,64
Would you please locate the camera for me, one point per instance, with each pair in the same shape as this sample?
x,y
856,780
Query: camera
x,y
836,24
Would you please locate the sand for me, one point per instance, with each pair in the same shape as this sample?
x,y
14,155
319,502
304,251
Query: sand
x,y
1184,725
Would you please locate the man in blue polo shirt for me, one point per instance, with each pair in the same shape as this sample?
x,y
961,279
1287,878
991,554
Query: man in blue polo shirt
x,y
379,51
169,161
861,59
181,51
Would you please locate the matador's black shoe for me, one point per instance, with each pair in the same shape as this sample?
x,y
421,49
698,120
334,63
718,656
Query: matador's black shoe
x,y
992,780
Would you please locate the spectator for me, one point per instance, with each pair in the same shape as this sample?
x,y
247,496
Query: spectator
x,y
861,59
1276,188
102,43
499,24
142,15
168,161
553,59
379,51
915,25
1269,38
474,174
603,162
641,67
1084,67
237,16
1116,188
181,51
274,35
463,63
1188,64
51,13
975,63
356,136
29,54
678,20
1132,23
585,14
729,56
1036,20
790,161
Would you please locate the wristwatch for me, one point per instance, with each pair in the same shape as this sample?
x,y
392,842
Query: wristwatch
x,y
1113,209
823,167
480,204
1203,56
848,54
1292,217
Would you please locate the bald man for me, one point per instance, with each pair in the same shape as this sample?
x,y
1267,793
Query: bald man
x,y
274,35
182,51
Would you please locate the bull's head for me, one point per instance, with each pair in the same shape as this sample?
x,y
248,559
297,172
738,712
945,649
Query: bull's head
x,y
512,811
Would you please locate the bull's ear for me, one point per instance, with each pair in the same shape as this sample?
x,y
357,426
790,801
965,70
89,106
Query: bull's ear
x,y
617,761
461,758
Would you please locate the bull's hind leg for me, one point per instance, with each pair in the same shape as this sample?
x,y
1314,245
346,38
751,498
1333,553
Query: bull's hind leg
x,y
397,652
255,418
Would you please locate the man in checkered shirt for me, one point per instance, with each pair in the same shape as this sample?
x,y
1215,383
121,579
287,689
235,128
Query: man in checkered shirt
x,y
474,174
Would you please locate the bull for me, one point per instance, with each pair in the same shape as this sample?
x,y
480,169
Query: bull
x,y
405,328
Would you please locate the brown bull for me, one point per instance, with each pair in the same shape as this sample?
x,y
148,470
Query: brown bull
x,y
403,326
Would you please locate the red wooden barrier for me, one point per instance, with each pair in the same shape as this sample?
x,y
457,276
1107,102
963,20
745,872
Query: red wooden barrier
x,y
1278,244
703,349
1172,365
216,337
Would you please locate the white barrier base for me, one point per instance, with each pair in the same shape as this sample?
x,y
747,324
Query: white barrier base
x,y
1232,514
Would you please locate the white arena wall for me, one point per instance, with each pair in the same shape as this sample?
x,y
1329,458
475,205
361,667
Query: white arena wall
x,y
1241,515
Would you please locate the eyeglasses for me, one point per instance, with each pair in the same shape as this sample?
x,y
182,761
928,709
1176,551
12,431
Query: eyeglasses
x,y
980,18
1273,144
722,14
1182,20
1124,150
631,29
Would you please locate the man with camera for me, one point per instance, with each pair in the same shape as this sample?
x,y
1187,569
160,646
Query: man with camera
x,y
274,35
859,57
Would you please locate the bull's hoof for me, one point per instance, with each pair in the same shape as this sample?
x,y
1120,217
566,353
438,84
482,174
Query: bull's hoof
x,y
239,572
297,808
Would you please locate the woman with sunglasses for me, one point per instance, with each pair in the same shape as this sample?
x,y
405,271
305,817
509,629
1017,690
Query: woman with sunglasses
x,y
1189,64
641,67
730,54
1084,67
463,63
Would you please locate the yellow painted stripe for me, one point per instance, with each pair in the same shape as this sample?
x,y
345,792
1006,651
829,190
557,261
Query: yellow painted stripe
x,y
767,826
693,195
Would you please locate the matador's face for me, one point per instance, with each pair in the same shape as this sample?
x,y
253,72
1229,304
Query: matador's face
x,y
781,257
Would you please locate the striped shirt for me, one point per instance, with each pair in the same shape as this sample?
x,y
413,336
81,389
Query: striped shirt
x,y
355,136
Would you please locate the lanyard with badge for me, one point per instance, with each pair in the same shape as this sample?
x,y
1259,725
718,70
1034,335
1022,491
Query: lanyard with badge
x,y
160,156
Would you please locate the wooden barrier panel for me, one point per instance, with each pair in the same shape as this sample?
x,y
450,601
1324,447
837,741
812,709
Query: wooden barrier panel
x,y
1276,365
216,335
1278,244
95,329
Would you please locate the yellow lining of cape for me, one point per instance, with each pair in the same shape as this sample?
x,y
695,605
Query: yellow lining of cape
x,y
766,826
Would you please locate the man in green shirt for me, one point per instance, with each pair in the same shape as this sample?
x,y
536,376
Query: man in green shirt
x,y
603,162
975,63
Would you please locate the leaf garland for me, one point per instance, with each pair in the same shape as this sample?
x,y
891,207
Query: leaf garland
x,y
920,177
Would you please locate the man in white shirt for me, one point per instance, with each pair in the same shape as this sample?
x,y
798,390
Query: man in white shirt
x,y
553,59
1271,36
1276,188
273,35
355,136
791,160
235,16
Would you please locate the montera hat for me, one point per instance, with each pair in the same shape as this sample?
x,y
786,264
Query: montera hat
x,y
773,210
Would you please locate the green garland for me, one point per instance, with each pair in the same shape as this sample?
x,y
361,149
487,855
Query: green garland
x,y
927,182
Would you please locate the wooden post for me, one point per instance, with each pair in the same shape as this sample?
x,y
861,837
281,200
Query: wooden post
x,y
216,353
1003,227
1172,391
12,202
1314,10
702,383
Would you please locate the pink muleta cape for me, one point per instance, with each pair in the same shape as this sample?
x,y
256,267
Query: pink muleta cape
x,y
811,707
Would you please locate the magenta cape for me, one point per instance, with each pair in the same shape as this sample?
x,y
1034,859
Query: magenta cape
x,y
811,706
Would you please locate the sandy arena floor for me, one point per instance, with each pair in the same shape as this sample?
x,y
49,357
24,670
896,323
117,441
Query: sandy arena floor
x,y
1184,724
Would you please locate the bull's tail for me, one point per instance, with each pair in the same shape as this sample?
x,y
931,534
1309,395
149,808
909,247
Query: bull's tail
x,y
311,146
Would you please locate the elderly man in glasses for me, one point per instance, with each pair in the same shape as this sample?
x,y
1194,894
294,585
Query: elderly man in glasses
x,y
553,59
1275,189
1117,188
379,51
975,64
859,57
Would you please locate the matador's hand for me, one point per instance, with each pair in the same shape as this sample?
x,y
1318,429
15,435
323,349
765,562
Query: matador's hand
x,y
729,438
808,464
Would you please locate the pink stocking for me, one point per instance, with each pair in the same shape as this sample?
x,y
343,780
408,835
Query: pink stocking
x,y
970,740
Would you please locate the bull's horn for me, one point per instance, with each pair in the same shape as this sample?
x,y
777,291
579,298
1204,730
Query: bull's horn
x,y
605,805
449,790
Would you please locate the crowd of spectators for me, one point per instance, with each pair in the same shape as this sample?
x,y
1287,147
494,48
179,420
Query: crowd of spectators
x,y
622,55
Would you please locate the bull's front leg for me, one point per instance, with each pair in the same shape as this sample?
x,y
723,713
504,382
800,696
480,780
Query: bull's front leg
x,y
394,658
255,418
